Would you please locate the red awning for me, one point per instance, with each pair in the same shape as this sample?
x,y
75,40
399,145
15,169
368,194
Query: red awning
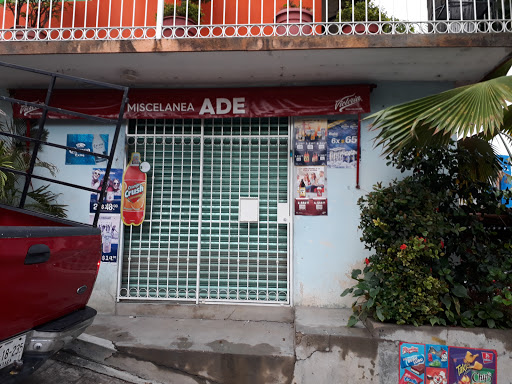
x,y
202,103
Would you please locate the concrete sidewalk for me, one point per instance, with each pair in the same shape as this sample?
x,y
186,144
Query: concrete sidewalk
x,y
182,344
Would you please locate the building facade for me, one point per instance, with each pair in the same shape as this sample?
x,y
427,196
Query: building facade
x,y
254,132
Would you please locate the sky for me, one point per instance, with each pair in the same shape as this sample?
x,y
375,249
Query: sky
x,y
413,10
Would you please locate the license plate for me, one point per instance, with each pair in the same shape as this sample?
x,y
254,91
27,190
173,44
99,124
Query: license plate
x,y
11,350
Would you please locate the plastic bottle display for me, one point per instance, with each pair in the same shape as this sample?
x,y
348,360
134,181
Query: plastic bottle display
x,y
107,242
342,158
133,203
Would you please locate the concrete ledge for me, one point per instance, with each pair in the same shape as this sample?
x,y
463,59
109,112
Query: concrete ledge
x,y
256,43
280,314
316,348
329,352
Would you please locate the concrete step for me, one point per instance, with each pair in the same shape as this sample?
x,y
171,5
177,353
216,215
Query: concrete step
x,y
263,347
281,314
170,350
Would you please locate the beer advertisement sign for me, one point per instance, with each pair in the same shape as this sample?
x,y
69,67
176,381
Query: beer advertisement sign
x,y
109,219
310,145
342,143
310,192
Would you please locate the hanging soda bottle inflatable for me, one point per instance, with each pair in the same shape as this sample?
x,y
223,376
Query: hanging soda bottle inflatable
x,y
133,203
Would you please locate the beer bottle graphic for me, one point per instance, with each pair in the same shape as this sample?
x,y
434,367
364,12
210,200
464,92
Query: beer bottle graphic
x,y
302,189
133,202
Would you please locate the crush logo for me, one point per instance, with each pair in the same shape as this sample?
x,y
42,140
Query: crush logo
x,y
134,192
347,101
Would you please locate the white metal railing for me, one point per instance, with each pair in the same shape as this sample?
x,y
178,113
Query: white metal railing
x,y
150,19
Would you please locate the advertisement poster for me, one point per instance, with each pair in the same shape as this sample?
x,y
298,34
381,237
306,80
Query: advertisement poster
x,y
436,364
468,366
342,143
310,146
133,203
112,198
97,143
109,225
311,192
412,363
505,181
440,364
110,217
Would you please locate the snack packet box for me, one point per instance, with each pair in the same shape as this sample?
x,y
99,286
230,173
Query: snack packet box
x,y
472,366
412,363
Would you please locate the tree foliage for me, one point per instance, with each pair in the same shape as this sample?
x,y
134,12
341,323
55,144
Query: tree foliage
x,y
441,246
479,111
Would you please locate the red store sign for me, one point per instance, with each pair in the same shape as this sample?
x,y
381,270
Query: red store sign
x,y
202,103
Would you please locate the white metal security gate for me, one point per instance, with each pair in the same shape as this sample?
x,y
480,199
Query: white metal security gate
x,y
192,245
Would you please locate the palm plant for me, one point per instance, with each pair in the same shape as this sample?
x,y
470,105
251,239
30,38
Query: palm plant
x,y
16,154
476,114
6,163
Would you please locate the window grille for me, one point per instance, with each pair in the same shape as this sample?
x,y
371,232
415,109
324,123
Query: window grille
x,y
192,246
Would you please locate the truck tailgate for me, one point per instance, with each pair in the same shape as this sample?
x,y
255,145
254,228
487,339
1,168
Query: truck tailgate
x,y
45,273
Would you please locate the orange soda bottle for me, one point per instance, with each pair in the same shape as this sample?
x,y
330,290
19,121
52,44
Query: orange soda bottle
x,y
133,202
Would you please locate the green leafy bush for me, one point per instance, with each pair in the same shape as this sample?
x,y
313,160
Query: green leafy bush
x,y
442,251
189,9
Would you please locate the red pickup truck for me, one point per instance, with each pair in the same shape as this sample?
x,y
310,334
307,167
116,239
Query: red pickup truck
x,y
48,269
48,265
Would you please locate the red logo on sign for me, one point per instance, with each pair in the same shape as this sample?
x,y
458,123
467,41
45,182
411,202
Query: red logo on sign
x,y
487,357
409,350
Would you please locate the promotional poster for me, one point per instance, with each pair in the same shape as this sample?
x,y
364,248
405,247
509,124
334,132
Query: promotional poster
x,y
97,143
133,202
109,225
310,191
505,181
437,364
412,363
469,365
342,143
440,364
110,217
310,145
112,198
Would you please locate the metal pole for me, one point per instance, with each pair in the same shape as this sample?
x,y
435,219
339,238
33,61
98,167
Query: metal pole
x,y
159,19
33,159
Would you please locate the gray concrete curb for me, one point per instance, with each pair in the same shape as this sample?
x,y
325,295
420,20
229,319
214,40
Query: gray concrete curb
x,y
316,348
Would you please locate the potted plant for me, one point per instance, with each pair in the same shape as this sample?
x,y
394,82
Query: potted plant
x,y
38,16
185,12
291,13
360,14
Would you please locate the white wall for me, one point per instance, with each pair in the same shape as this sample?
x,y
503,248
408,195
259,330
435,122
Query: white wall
x,y
327,248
